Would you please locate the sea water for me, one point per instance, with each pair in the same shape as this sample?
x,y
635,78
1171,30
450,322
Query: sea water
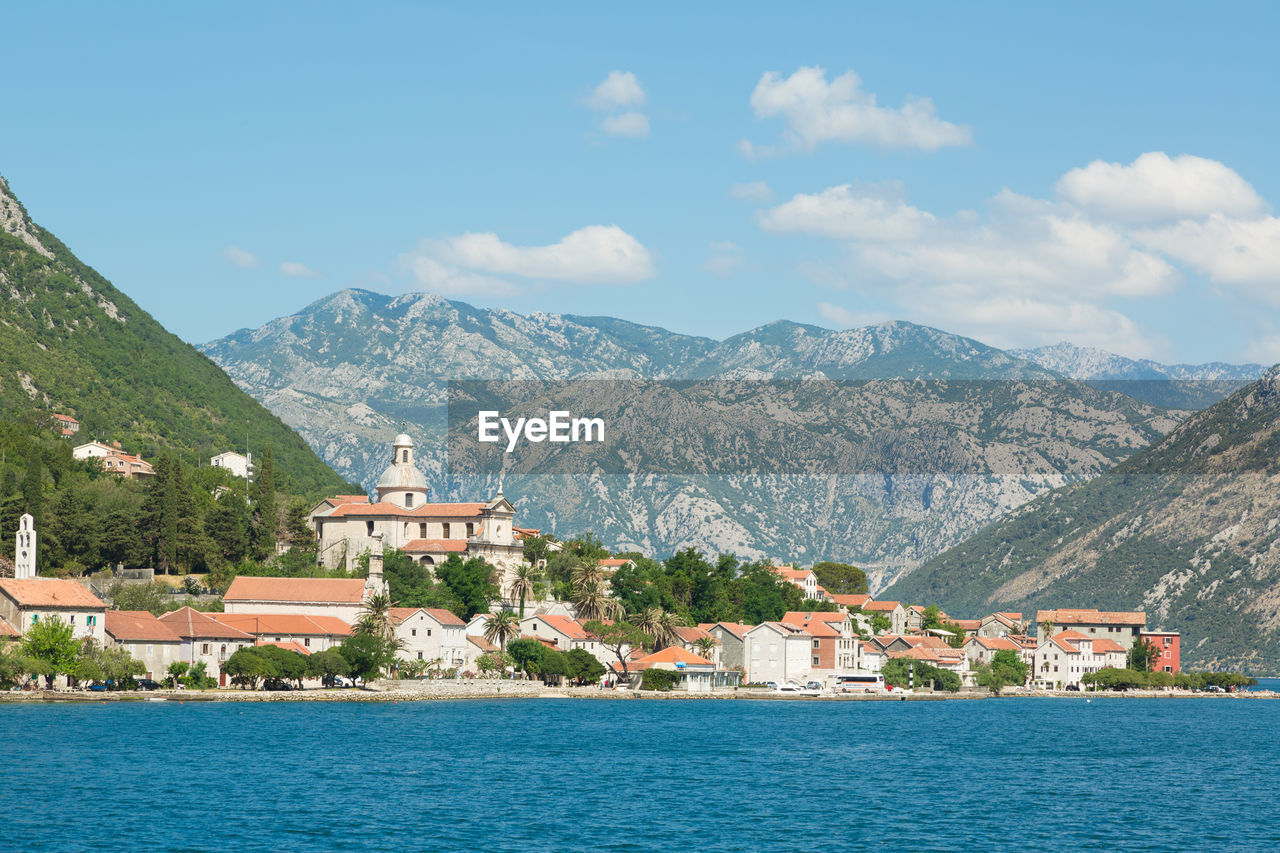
x,y
1024,774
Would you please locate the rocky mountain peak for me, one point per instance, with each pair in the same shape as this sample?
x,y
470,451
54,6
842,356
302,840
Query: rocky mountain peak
x,y
14,220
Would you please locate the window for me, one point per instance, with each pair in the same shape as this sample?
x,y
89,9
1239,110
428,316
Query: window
x,y
408,500
422,530
419,655
368,528
1168,669
471,529
204,648
73,619
93,620
306,641
404,456
445,528
413,632
815,661
1168,641
428,632
815,644
148,650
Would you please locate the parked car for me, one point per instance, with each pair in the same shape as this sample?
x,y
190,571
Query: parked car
x,y
772,685
814,685
148,684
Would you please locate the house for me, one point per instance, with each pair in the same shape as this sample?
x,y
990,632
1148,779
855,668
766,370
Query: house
x,y
309,632
341,598
94,449
564,634
66,425
893,610
804,579
1064,658
428,532
915,618
729,638
27,601
127,465
980,650
1169,644
1000,625
693,638
970,627
145,638
477,646
776,651
475,628
946,658
1121,626
834,649
699,674
431,634
205,640
239,464
850,601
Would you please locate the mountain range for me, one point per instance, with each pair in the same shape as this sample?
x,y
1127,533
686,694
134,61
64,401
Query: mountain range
x,y
351,368
1187,530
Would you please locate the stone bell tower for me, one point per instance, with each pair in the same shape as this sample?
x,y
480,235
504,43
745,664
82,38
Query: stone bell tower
x,y
24,554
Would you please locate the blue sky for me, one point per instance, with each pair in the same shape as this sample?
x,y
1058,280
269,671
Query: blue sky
x,y
1098,174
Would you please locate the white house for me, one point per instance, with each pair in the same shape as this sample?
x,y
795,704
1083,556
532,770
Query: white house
x,y
205,640
1121,626
431,634
893,610
565,634
1063,659
237,463
311,633
341,598
145,638
25,602
775,651
94,449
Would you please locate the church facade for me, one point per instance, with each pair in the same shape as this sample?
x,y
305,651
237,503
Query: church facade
x,y
348,526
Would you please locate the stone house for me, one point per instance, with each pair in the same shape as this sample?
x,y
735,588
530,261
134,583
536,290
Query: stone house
x,y
776,651
431,634
27,601
205,640
145,638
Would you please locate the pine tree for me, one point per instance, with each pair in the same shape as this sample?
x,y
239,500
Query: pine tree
x,y
265,521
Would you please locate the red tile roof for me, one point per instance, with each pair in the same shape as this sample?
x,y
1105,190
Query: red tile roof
x,y
883,606
1092,617
1102,645
458,510
851,600
673,654
291,645
803,617
692,635
482,644
433,546
737,629
291,590
194,625
569,627
293,624
7,630
444,617
996,643
138,626
967,624
50,592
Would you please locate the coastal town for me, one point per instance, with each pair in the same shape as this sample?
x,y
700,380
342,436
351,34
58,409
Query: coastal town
x,y
841,644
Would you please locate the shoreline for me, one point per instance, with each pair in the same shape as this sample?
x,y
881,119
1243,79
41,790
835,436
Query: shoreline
x,y
449,691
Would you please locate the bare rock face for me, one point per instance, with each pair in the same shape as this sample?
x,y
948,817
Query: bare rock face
x,y
947,434
14,220
1187,530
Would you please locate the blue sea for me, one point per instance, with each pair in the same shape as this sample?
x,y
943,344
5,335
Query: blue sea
x,y
572,774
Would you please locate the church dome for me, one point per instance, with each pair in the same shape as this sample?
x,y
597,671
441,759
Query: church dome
x,y
402,440
401,476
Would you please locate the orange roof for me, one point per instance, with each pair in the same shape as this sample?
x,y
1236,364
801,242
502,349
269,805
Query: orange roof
x,y
737,629
128,626
293,624
851,600
996,643
792,574
291,645
482,643
692,635
614,562
967,624
350,499
1092,617
192,624
66,419
917,653
801,617
50,592
444,617
320,590
458,510
418,546
818,628
674,654
882,605
7,630
569,627
1102,645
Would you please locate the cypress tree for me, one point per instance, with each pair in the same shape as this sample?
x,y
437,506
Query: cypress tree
x,y
265,516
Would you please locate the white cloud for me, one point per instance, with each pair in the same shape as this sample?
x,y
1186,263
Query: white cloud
x,y
293,269
863,212
724,259
816,111
1243,252
1158,188
844,318
634,125
619,89
240,258
597,254
431,275
1264,350
757,191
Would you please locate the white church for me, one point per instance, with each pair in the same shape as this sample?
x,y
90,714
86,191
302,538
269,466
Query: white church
x,y
347,526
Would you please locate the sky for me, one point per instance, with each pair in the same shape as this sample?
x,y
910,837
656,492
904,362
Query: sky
x,y
1021,173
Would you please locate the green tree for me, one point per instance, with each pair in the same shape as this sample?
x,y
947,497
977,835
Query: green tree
x,y
618,637
658,679
583,667
228,526
501,628
841,578
328,665
51,642
151,597
1006,667
471,582
266,523
1143,655
178,670
368,655
13,665
523,583
247,667
593,601
552,666
375,619
527,655
491,662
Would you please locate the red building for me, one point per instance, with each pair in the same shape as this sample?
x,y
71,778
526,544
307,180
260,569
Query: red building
x,y
1168,644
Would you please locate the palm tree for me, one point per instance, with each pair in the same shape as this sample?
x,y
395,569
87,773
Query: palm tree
x,y
587,575
502,627
375,618
706,646
593,602
1046,628
522,583
667,635
648,621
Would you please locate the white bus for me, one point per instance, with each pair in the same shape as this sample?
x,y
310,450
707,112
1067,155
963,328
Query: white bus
x,y
863,681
